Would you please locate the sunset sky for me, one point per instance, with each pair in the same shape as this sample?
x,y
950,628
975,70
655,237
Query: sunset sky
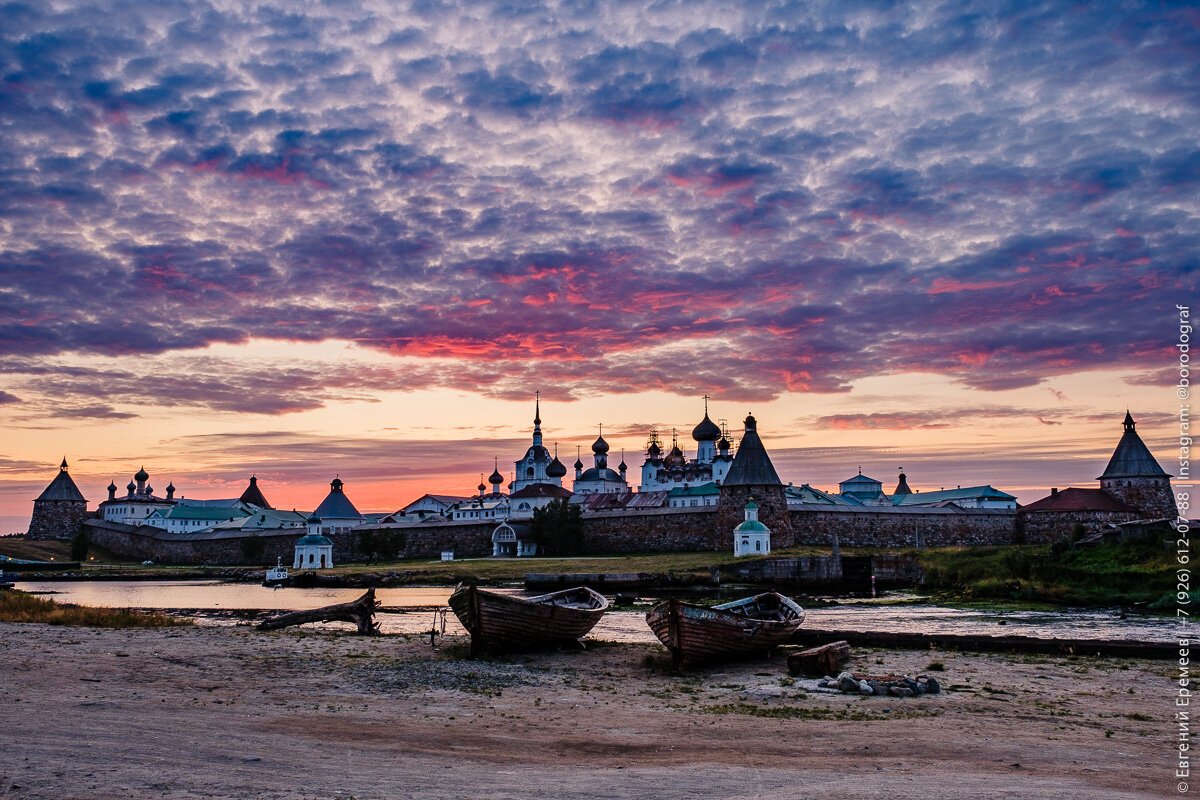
x,y
309,239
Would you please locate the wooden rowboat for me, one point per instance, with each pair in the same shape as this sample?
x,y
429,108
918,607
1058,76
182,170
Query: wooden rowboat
x,y
504,622
746,627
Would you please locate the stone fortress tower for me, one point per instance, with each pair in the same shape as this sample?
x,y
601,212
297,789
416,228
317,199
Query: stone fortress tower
x,y
1134,477
752,477
59,511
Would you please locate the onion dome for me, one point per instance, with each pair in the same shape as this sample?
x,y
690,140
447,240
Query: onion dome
x,y
149,489
723,444
171,486
336,485
131,486
481,487
653,451
578,464
706,431
141,475
112,486
622,466
496,477
556,469
599,446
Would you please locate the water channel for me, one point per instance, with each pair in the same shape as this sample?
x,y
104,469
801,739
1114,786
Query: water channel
x,y
410,610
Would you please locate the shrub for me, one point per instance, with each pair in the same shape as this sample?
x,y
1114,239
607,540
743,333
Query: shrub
x,y
22,607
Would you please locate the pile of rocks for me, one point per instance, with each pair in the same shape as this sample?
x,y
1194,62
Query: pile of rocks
x,y
890,685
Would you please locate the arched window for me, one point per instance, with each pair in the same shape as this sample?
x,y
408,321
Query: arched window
x,y
529,472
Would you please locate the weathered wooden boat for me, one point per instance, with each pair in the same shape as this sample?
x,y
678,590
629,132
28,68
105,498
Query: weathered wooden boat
x,y
504,622
750,626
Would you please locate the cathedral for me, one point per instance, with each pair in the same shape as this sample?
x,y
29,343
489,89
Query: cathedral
x,y
674,470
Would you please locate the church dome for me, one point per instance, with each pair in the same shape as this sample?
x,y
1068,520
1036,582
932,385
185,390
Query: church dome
x,y
141,475
578,464
556,469
131,486
496,477
599,446
706,431
112,486
481,487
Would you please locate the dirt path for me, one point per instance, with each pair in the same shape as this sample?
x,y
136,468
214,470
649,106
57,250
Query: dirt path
x,y
233,713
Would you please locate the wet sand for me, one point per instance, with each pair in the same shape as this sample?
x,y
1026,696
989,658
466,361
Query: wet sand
x,y
231,712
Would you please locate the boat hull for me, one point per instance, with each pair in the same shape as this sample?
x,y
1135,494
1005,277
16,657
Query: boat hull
x,y
696,633
503,622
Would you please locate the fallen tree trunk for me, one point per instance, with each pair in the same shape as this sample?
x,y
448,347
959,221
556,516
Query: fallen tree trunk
x,y
827,659
361,612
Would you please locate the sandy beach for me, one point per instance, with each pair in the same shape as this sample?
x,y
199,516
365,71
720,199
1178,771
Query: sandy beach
x,y
232,712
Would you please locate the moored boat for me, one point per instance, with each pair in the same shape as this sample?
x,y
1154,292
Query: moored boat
x,y
276,575
746,627
504,622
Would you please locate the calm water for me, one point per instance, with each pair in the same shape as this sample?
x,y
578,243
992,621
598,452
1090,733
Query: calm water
x,y
410,610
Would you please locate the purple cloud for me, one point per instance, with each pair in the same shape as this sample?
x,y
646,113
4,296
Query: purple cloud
x,y
803,196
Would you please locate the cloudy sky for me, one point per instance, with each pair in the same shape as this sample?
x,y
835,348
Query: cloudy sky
x,y
313,238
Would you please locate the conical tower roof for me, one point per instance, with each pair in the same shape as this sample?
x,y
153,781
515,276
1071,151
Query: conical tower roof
x,y
902,486
62,487
336,505
752,466
253,495
1132,459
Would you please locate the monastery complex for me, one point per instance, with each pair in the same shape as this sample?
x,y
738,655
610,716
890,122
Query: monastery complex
x,y
701,501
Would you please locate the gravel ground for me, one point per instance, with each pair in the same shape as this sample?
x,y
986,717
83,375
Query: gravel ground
x,y
231,712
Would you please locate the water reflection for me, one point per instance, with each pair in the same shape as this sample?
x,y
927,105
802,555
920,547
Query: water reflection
x,y
415,605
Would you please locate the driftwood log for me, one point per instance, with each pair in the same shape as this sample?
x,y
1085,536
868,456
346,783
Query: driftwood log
x,y
828,659
361,612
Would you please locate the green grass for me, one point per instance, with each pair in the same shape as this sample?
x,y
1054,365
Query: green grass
x,y
21,607
1127,573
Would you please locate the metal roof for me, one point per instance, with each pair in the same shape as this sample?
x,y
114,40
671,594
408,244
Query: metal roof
x,y
207,513
540,490
336,505
598,474
962,493
860,478
696,491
